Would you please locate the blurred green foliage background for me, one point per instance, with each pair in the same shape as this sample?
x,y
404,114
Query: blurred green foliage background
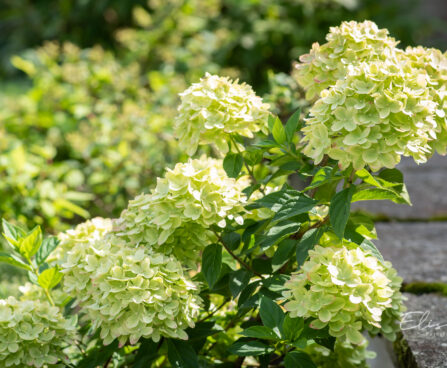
x,y
89,88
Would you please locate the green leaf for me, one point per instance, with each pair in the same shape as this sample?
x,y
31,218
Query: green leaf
x,y
147,353
364,243
231,240
276,233
49,278
283,253
12,233
292,125
307,242
249,348
260,332
232,164
339,209
29,245
388,185
286,203
278,132
13,261
181,354
212,263
323,176
238,281
48,245
298,359
292,327
271,315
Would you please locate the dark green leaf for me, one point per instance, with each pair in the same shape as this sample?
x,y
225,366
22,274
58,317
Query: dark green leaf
x,y
147,353
292,328
339,210
250,348
260,332
286,203
231,240
238,281
307,242
283,253
212,263
292,125
202,330
271,315
181,354
298,359
48,245
232,164
13,261
276,233
323,176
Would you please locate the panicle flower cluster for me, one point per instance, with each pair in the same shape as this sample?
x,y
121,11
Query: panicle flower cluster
x,y
175,218
215,108
129,292
344,355
349,44
348,290
32,333
86,232
375,102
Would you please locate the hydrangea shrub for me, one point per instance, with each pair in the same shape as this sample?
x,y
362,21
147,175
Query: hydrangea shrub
x,y
225,261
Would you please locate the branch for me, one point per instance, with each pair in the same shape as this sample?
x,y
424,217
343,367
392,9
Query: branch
x,y
246,265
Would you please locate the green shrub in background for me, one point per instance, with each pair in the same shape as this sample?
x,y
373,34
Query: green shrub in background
x,y
82,127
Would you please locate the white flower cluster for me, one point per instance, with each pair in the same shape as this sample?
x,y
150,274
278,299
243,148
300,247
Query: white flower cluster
x,y
216,107
32,333
129,292
175,218
375,101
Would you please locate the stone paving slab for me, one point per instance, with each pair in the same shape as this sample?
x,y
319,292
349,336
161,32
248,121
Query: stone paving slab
x,y
417,250
427,186
424,330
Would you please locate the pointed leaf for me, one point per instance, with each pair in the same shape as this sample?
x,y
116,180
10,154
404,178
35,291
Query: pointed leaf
x,y
339,210
48,245
212,263
49,278
232,164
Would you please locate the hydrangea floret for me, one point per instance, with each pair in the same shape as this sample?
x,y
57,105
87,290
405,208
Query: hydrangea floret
x,y
129,292
33,333
86,232
376,102
176,217
344,355
346,290
215,108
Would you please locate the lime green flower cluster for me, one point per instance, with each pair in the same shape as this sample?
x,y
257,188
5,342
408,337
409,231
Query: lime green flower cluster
x,y
349,44
32,333
432,67
376,102
175,218
86,232
129,292
215,108
348,290
344,355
